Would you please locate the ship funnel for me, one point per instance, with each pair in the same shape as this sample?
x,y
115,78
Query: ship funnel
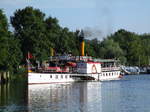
x,y
51,51
82,44
82,48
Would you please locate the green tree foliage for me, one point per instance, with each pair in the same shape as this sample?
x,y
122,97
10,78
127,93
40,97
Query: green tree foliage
x,y
15,54
67,41
60,38
30,28
52,31
111,50
145,44
134,46
3,42
10,54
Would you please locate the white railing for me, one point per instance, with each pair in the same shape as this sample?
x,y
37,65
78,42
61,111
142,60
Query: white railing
x,y
110,68
75,58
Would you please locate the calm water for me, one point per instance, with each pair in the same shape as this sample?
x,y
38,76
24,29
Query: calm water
x,y
131,94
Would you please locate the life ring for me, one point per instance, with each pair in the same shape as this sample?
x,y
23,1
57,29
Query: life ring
x,y
94,70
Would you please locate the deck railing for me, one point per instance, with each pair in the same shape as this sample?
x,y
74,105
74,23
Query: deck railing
x,y
110,68
73,58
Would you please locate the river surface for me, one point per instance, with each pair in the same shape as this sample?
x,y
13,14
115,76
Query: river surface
x,y
130,94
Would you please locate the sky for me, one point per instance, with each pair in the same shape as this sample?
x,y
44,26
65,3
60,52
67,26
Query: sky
x,y
102,17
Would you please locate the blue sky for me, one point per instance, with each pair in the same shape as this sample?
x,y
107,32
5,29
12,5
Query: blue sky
x,y
104,16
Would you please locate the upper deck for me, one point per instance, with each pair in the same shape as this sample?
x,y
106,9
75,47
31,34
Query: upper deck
x,y
109,64
70,58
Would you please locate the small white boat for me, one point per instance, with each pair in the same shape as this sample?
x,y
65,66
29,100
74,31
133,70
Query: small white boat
x,y
128,70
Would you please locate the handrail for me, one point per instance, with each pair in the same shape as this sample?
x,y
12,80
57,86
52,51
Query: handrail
x,y
110,68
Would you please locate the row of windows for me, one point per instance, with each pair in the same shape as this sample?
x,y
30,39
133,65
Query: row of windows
x,y
110,74
60,76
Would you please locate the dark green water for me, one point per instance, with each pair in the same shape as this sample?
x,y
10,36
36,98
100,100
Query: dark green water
x,y
13,97
130,94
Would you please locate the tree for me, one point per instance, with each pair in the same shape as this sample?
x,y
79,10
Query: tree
x,y
112,50
61,38
3,42
29,26
131,45
15,54
145,44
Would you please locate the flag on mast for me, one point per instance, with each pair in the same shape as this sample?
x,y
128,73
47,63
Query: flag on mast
x,y
30,55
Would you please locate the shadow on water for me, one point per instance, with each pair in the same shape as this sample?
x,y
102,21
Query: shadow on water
x,y
130,94
13,97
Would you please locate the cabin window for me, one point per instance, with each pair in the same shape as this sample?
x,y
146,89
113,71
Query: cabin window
x,y
66,76
56,76
50,76
106,74
70,76
103,74
109,74
62,76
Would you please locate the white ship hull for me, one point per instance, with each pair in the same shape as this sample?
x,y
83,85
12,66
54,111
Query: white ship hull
x,y
47,78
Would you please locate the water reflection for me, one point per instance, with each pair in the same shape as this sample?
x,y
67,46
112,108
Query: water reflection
x,y
73,97
13,97
127,95
58,97
67,97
